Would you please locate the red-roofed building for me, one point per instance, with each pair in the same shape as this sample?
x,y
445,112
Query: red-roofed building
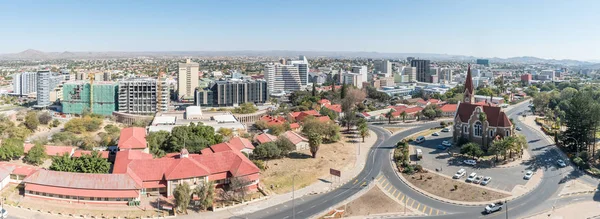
x,y
235,144
299,116
52,150
328,88
79,153
295,126
19,172
265,138
449,109
323,119
83,187
133,138
323,101
467,122
298,140
411,113
273,120
335,107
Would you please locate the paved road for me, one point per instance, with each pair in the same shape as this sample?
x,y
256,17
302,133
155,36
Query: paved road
x,y
543,152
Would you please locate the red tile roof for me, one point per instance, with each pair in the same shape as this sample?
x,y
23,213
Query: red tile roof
x,y
294,125
409,111
336,107
323,101
265,138
132,138
323,119
240,143
82,180
494,114
79,153
294,137
185,168
52,150
20,169
273,120
299,116
449,108
123,159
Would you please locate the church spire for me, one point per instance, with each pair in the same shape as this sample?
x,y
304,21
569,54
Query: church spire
x,y
469,92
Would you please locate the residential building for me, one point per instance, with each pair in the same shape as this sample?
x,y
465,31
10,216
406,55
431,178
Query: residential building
x,y
411,72
187,80
300,142
232,93
282,78
387,82
434,72
303,69
423,69
133,138
25,83
550,74
467,120
526,79
143,96
485,62
99,98
354,79
46,82
362,71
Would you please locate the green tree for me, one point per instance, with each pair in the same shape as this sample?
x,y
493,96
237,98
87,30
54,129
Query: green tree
x,y
499,147
182,196
285,145
267,151
327,112
245,108
55,123
225,132
36,154
314,141
156,142
64,163
31,120
389,115
484,91
403,115
205,193
93,163
364,132
471,149
11,148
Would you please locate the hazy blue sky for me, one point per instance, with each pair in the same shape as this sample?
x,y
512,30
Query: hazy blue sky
x,y
502,28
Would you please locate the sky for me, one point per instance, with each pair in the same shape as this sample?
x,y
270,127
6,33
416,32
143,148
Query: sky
x,y
500,28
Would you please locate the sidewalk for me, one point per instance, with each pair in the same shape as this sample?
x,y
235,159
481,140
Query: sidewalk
x,y
572,211
348,173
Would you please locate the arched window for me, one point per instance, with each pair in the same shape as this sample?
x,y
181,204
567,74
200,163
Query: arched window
x,y
465,129
491,133
477,129
507,132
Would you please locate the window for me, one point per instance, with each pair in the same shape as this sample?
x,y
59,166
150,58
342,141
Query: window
x,y
477,129
465,129
118,199
60,196
50,195
507,133
43,193
91,198
491,133
37,193
105,199
126,199
98,199
67,197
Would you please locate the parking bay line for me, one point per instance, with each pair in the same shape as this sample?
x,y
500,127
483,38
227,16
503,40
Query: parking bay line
x,y
391,187
399,193
394,192
402,198
418,206
412,203
430,210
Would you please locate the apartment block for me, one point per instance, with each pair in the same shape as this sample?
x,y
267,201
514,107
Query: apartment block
x,y
187,80
24,83
232,92
99,98
46,82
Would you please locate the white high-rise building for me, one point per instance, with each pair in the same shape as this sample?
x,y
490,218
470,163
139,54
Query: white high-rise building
x,y
362,71
282,77
354,79
46,82
411,72
384,67
303,68
24,83
187,80
550,73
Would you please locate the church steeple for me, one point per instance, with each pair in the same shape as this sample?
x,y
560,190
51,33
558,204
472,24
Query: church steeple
x,y
469,93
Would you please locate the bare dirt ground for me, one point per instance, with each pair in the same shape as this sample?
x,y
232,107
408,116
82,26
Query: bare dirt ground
x,y
444,187
373,202
340,155
394,130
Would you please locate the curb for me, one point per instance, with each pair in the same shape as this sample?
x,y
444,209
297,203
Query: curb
x,y
578,193
434,197
81,216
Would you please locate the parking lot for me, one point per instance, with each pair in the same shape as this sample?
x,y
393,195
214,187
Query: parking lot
x,y
434,158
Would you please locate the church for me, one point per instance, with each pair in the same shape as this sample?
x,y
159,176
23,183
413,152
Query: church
x,y
468,116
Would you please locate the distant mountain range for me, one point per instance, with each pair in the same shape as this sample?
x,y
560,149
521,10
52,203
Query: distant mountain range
x,y
31,54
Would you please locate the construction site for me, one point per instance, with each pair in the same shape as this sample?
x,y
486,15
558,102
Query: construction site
x,y
98,98
143,96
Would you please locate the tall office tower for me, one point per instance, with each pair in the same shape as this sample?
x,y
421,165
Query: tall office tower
x,y
81,76
187,80
422,69
232,92
434,72
24,83
143,96
485,62
303,68
107,76
282,78
355,79
446,73
411,72
383,66
409,59
46,82
362,71
550,73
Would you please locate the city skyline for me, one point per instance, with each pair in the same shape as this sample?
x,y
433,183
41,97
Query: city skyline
x,y
545,29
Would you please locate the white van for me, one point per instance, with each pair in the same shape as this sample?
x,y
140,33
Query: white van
x,y
419,153
420,139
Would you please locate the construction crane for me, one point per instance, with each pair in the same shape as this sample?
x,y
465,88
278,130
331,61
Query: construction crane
x,y
91,77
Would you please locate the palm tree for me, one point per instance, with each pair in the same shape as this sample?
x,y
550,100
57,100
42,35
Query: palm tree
x,y
364,132
314,141
403,114
389,115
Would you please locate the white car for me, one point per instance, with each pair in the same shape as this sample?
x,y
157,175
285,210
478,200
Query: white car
x,y
460,173
445,130
470,162
528,175
518,128
486,180
436,134
477,179
471,177
561,163
446,143
420,139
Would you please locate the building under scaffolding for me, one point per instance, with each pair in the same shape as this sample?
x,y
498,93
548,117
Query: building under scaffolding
x,y
76,97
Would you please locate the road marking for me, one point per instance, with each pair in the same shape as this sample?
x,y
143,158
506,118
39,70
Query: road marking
x,y
401,198
412,203
430,210
363,184
394,193
299,212
386,183
286,217
391,187
379,177
355,181
424,208
312,206
418,206
444,212
437,212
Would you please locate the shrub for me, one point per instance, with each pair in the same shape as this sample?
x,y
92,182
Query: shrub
x,y
579,162
594,171
443,124
418,168
409,170
259,163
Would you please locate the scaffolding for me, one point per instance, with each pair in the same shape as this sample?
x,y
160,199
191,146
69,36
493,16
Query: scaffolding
x,y
77,97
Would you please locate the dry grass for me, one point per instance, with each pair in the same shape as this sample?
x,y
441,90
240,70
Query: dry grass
x,y
444,187
373,202
394,130
340,155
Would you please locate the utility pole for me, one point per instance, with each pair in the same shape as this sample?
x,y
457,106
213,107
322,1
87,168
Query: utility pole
x,y
293,199
506,202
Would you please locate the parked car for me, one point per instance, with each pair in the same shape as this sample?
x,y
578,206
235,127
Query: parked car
x,y
445,130
420,139
477,179
470,162
4,212
561,163
494,207
441,147
436,134
528,175
460,173
518,128
471,177
486,180
419,153
447,143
